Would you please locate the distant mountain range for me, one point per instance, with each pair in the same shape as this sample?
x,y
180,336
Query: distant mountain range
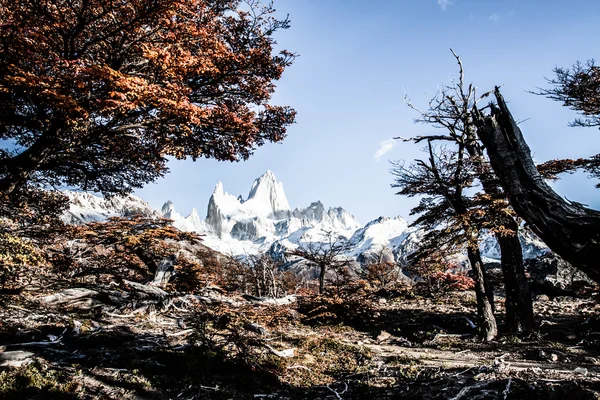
x,y
264,222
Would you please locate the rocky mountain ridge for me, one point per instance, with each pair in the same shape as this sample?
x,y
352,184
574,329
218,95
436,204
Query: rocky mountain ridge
x,y
264,222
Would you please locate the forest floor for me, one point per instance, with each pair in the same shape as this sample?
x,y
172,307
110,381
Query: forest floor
x,y
131,341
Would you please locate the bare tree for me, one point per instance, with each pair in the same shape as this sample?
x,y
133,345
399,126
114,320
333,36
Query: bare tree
x,y
266,276
451,110
450,217
326,254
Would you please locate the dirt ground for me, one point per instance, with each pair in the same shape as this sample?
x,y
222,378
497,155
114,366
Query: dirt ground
x,y
124,343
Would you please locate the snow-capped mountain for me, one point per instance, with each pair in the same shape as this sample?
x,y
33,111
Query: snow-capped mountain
x,y
86,207
264,222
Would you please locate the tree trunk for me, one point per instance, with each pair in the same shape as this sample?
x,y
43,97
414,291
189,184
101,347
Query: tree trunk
x,y
18,170
322,279
519,306
568,228
488,329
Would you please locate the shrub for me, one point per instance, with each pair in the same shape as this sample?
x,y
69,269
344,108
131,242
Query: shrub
x,y
435,276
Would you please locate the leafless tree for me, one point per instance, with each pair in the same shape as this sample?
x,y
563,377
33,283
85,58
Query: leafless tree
x,y
266,276
452,111
326,254
450,217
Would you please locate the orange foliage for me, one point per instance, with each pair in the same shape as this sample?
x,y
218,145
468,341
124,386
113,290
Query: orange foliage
x,y
97,93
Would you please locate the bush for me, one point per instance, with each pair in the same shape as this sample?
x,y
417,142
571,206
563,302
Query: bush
x,y
381,274
435,276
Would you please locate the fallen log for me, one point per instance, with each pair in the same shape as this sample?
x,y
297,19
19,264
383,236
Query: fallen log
x,y
269,300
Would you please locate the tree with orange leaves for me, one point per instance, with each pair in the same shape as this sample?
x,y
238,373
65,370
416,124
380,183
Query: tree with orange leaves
x,y
98,93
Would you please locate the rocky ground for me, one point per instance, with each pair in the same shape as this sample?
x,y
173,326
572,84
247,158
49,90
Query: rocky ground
x,y
127,340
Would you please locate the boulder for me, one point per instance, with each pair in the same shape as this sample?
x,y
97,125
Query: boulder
x,y
553,276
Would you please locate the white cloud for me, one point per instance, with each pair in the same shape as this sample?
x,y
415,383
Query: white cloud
x,y
495,17
444,4
385,146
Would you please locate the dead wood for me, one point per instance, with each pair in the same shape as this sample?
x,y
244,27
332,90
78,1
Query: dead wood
x,y
570,229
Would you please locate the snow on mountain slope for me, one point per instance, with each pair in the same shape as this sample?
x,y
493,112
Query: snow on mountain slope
x,y
378,234
264,217
264,222
86,207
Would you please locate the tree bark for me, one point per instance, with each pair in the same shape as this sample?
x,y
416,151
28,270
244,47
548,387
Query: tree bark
x,y
519,306
488,329
322,279
19,169
568,228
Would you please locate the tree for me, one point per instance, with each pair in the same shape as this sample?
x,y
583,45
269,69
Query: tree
x,y
380,269
326,254
133,244
449,217
577,88
451,110
97,94
568,228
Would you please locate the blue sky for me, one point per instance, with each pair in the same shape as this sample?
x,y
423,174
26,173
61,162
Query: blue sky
x,y
358,59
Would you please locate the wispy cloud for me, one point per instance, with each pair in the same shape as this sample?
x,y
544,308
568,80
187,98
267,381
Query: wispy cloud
x,y
385,146
444,4
495,17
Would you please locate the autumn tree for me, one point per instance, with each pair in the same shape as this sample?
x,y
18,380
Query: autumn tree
x,y
28,221
123,246
380,269
98,94
326,254
451,111
451,219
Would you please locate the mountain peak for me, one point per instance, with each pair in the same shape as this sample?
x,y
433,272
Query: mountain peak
x,y
267,195
167,208
218,188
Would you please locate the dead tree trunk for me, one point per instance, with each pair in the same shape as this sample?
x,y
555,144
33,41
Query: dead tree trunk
x,y
488,329
568,228
519,306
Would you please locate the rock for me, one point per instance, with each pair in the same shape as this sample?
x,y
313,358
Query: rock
x,y
286,300
383,336
16,358
553,276
286,353
376,256
165,271
542,297
580,371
